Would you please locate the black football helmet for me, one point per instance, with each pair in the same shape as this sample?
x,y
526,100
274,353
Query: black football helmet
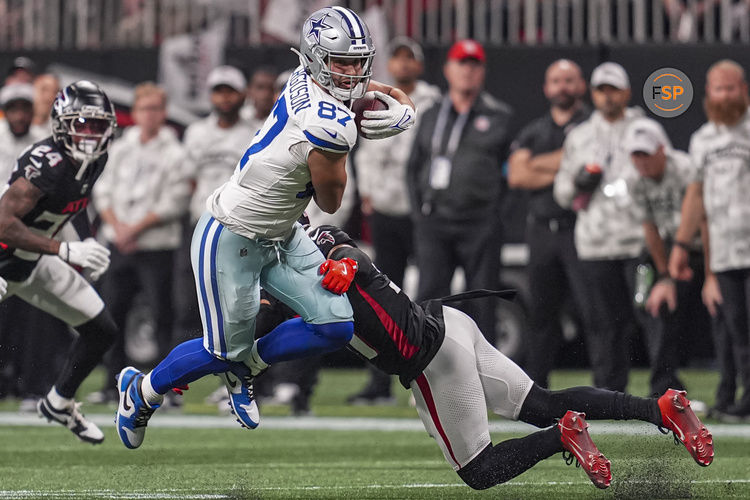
x,y
83,121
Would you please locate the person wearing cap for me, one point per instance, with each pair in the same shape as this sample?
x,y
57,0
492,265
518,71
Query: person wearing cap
x,y
720,149
596,177
456,183
22,70
381,180
141,197
214,144
675,307
16,133
553,262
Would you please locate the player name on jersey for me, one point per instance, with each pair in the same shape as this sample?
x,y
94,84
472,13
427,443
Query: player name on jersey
x,y
299,97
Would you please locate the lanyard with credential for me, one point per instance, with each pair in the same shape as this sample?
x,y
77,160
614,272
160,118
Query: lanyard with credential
x,y
456,131
441,164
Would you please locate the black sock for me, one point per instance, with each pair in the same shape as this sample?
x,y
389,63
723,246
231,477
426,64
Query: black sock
x,y
506,460
543,407
94,339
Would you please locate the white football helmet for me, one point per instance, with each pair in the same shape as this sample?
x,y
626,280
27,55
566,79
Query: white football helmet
x,y
336,32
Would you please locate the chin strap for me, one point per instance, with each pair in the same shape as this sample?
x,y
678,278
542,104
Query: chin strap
x,y
82,170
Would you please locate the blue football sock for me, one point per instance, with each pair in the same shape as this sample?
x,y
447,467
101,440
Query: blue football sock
x,y
295,339
186,363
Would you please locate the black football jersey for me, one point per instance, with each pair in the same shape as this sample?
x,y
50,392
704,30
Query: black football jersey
x,y
390,330
46,166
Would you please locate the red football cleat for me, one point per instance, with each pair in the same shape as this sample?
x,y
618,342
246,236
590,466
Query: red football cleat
x,y
679,418
575,439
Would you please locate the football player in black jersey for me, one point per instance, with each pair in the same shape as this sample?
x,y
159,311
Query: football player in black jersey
x,y
455,375
51,183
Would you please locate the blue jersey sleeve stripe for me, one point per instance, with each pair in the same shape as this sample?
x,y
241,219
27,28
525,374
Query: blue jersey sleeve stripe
x,y
325,144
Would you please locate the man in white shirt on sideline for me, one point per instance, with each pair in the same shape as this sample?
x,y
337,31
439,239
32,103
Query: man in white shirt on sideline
x,y
141,197
214,145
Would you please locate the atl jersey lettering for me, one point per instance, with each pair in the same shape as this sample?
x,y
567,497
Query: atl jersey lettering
x,y
390,330
46,167
271,184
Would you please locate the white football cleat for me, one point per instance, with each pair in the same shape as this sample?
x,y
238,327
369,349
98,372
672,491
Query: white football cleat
x,y
241,398
72,418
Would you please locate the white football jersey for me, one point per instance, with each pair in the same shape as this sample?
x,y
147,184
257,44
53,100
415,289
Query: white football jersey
x,y
271,184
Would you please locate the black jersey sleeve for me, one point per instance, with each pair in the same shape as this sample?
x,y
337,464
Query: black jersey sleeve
x,y
366,269
39,165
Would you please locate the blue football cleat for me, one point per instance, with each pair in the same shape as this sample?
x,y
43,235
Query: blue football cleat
x,y
133,412
241,398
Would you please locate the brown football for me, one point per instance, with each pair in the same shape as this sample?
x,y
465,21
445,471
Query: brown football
x,y
365,104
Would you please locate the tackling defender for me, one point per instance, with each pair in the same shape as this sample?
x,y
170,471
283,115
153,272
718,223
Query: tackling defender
x,y
51,183
249,236
454,373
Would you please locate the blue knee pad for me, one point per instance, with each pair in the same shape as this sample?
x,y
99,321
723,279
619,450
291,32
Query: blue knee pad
x,y
294,339
338,334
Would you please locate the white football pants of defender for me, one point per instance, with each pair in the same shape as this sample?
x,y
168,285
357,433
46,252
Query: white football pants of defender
x,y
466,376
58,289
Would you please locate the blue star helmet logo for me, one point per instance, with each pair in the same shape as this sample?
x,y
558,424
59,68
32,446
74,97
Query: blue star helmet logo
x,y
316,26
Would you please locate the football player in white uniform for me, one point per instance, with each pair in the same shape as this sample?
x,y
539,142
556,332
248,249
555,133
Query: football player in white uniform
x,y
249,237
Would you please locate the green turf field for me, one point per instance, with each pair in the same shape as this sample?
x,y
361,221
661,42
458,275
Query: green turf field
x,y
48,462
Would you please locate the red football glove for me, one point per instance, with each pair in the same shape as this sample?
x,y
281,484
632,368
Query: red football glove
x,y
339,274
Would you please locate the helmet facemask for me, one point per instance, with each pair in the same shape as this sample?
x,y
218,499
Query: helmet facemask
x,y
85,135
357,84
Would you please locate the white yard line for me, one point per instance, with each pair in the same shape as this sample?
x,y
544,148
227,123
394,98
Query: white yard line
x,y
190,494
359,424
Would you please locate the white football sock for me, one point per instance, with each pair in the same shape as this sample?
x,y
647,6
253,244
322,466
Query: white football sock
x,y
58,401
255,362
149,394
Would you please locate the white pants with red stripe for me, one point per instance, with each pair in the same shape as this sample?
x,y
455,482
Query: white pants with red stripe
x,y
466,376
58,289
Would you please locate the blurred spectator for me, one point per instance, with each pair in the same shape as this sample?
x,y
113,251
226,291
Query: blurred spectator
x,y
596,176
46,87
141,197
456,180
675,306
16,132
381,179
721,149
261,96
214,145
457,186
553,264
22,70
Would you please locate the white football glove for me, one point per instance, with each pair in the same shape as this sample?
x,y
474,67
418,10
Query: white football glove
x,y
88,254
3,287
387,122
